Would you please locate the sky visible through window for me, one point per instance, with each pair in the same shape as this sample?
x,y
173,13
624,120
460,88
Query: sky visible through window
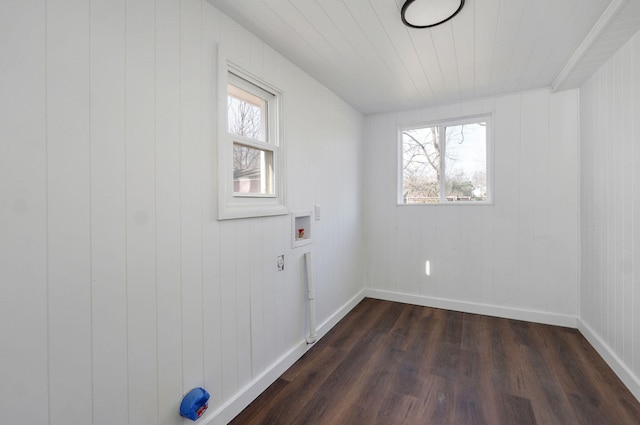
x,y
464,163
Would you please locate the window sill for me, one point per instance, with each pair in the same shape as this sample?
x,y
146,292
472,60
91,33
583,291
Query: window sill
x,y
451,204
231,212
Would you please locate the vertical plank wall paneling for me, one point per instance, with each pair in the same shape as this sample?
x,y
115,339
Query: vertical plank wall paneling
x,y
506,216
168,207
109,213
212,243
610,223
229,295
192,90
23,212
515,258
140,210
69,211
120,289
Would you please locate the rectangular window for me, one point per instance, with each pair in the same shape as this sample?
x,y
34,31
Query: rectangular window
x,y
248,125
446,162
252,170
250,155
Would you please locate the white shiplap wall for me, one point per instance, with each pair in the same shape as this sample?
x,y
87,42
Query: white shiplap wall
x,y
517,258
119,290
610,206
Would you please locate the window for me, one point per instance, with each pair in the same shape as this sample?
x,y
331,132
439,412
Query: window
x,y
250,128
251,182
446,162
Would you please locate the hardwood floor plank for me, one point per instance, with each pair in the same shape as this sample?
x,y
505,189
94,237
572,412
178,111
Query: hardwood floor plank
x,y
268,407
552,404
388,363
517,410
437,402
344,384
469,400
411,372
394,409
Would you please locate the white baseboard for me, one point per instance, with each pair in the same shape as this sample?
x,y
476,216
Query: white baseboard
x,y
625,374
484,309
229,410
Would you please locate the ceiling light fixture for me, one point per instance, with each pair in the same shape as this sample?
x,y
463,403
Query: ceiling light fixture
x,y
429,13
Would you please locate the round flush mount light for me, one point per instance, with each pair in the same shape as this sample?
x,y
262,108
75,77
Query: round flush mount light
x,y
429,13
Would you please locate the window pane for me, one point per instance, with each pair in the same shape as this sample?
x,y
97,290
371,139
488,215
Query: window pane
x,y
252,170
466,162
246,115
421,166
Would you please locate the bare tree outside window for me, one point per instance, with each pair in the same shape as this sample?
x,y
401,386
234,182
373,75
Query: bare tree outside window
x,y
450,168
246,117
421,166
251,171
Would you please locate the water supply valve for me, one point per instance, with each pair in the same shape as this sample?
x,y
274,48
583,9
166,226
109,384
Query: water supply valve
x,y
194,403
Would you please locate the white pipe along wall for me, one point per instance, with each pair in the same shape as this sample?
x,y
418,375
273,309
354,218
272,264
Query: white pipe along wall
x,y
311,297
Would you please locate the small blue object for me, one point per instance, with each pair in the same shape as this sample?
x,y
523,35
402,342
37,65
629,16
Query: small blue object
x,y
194,403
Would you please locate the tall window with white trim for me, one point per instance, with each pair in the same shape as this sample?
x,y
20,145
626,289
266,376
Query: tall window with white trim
x,y
251,128
251,177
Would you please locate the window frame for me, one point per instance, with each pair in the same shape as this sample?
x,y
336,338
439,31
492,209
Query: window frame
x,y
231,204
269,132
443,123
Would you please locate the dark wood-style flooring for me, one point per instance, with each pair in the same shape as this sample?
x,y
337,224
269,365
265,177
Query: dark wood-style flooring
x,y
390,364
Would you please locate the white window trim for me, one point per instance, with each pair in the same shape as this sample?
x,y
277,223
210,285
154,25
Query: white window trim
x,y
488,117
232,205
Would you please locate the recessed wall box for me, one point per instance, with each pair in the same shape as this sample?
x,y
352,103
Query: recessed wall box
x,y
301,228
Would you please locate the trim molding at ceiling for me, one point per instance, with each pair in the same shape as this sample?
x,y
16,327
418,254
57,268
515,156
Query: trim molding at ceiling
x,y
596,32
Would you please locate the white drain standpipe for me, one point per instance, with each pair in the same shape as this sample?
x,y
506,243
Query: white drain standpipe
x,y
311,297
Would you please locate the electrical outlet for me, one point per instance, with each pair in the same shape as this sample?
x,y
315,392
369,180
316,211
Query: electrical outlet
x,y
280,262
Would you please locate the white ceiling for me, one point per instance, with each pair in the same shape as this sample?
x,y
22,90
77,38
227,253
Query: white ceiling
x,y
361,50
